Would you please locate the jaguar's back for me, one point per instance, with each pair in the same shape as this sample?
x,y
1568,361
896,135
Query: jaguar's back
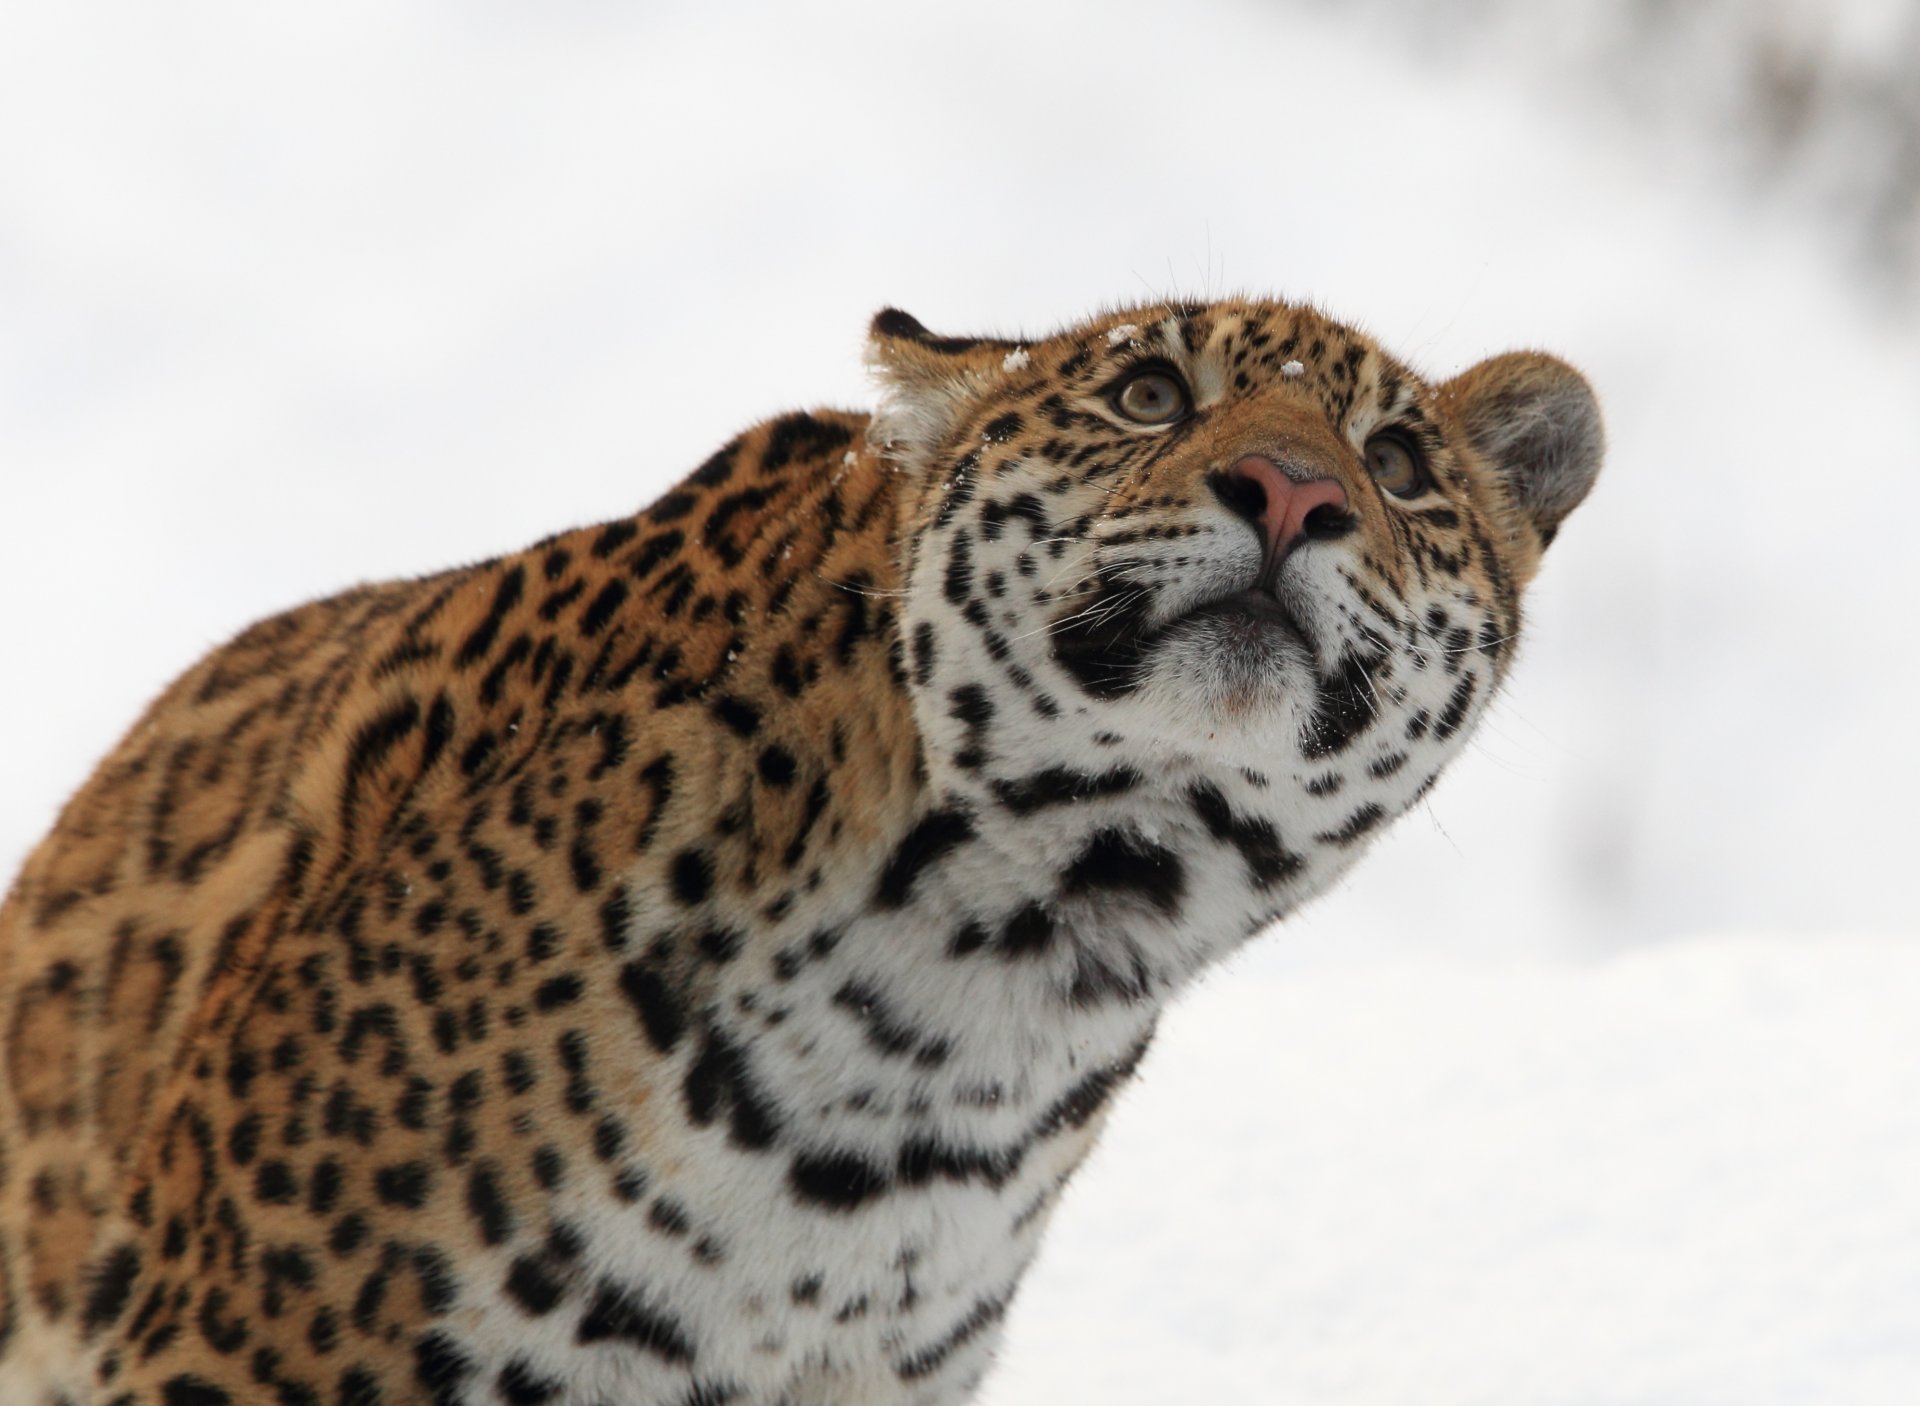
x,y
682,961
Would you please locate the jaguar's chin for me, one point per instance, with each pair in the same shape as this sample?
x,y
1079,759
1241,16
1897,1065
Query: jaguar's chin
x,y
1240,659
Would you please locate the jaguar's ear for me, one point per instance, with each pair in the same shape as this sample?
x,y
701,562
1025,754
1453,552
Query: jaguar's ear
x,y
1535,421
927,383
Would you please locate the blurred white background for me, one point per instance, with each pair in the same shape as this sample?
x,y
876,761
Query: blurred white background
x,y
297,295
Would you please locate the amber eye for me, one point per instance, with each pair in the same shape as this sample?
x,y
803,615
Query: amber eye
x,y
1394,460
1151,397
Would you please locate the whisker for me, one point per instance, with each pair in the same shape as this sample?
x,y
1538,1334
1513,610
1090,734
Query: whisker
x,y
872,593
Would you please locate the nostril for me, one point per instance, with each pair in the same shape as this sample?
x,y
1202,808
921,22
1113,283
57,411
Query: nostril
x,y
1242,495
1326,522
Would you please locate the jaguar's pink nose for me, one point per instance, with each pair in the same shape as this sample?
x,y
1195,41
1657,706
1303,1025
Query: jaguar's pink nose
x,y
1282,508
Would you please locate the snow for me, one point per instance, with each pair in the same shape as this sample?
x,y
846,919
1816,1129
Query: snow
x,y
1126,331
1292,369
293,296
1015,360
1684,1175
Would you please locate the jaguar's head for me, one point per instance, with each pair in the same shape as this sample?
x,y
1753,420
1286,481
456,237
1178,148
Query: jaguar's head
x,y
1235,534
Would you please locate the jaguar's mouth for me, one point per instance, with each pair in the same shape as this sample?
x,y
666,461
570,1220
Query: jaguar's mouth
x,y
1104,645
1253,609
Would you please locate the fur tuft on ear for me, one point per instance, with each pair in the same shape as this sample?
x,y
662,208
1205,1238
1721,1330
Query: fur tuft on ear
x,y
926,382
1536,422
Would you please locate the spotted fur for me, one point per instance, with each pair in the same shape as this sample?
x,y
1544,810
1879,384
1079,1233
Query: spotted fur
x,y
682,962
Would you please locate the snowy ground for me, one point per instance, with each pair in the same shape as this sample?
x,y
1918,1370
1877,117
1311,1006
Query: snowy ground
x,y
293,295
1684,1177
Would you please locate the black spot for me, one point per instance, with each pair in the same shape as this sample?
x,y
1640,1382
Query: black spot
x,y
1268,861
623,1314
777,766
110,1285
532,1283
349,1233
714,531
785,671
929,1360
709,1394
520,1385
601,609
1098,978
274,1184
1025,505
440,726
413,1105
441,1367
242,1066
1078,1105
969,937
488,1204
837,1181
630,1185
187,1389
225,1334
661,547
614,536
1001,428
558,991
506,596
936,836
1062,786
801,436
467,1092
691,876
923,653
816,805
1357,825
323,1333
358,1388
669,1217
1028,931
720,945
661,1013
1342,710
737,714
721,1077
404,1184
438,1286
517,1071
884,1031
544,942
1456,710
924,1158
959,580
615,914
1102,643
1118,861
288,1266
609,1136
970,705
718,468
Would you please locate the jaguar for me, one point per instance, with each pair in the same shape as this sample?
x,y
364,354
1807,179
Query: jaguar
x,y
684,961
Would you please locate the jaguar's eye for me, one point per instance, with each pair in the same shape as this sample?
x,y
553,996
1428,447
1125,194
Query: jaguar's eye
x,y
1395,462
1152,397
